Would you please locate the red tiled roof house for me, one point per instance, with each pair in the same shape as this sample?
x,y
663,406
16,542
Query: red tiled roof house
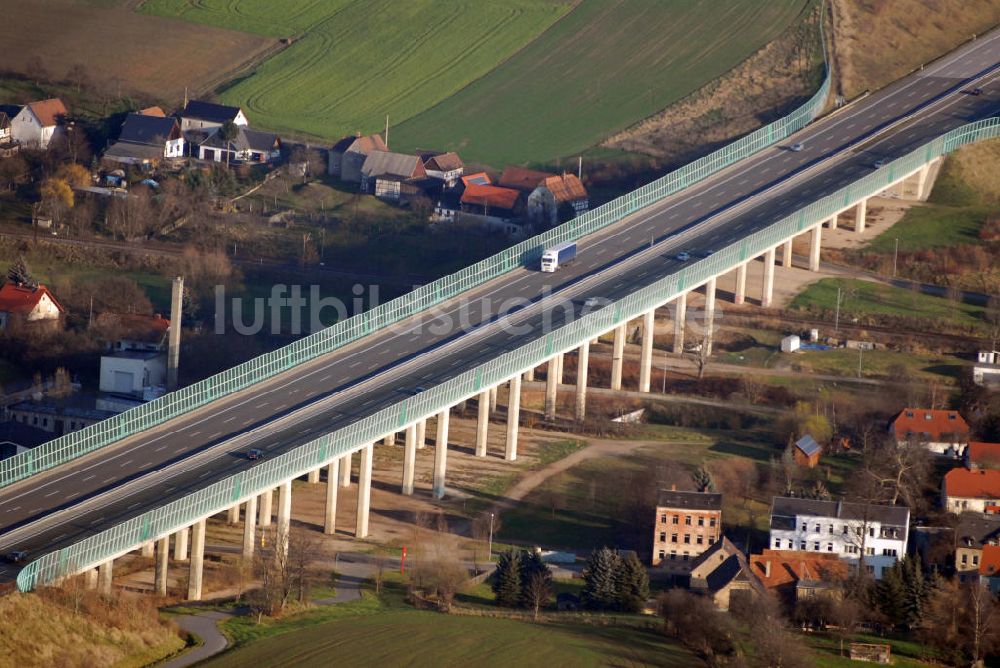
x,y
27,304
940,431
971,490
38,123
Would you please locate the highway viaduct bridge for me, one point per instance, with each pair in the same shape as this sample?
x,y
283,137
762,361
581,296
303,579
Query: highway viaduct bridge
x,y
149,478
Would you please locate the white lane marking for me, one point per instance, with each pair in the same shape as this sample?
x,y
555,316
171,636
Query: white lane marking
x,y
162,447
124,464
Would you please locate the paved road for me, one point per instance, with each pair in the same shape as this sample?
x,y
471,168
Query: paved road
x,y
383,368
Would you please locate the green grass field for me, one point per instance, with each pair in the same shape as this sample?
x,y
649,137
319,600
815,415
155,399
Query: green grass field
x,y
352,62
932,226
604,66
865,299
512,81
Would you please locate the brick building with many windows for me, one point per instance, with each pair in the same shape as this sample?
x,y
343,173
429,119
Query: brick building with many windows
x,y
687,524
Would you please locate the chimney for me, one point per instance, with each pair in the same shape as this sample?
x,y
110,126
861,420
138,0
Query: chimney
x,y
174,335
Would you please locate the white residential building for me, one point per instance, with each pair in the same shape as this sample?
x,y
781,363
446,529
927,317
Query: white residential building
x,y
38,123
843,528
133,372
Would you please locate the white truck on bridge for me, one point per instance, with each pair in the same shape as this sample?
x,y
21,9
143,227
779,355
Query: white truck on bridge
x,y
559,255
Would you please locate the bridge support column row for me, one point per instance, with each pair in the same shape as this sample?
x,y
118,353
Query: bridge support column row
x,y
284,516
483,424
646,356
364,490
345,470
583,361
815,242
105,574
421,434
266,499
740,293
441,452
409,459
709,315
680,323
249,528
618,356
767,292
552,377
181,544
513,417
332,483
162,561
197,560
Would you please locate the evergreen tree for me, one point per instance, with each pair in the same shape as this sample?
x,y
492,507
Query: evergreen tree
x,y
703,480
507,578
600,576
917,589
536,579
19,274
633,584
891,595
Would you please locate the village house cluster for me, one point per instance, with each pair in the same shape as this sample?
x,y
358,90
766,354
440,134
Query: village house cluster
x,y
519,202
814,544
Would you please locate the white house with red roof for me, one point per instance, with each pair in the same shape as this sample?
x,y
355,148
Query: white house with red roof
x,y
38,122
943,432
27,303
976,490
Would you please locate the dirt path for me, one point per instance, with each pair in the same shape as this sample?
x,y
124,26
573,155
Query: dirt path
x,y
205,624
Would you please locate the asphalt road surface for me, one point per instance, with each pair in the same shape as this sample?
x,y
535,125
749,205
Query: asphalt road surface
x,y
383,368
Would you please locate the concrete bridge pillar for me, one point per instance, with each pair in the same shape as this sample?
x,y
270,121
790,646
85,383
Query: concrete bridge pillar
x,y
551,388
162,561
815,243
767,293
618,356
181,544
582,363
740,293
250,528
390,439
332,482
493,399
409,459
233,514
560,363
832,223
284,516
441,452
513,417
709,315
105,575
646,355
859,216
421,434
483,424
90,578
680,323
265,508
529,375
786,254
345,470
147,550
197,560
364,490
313,477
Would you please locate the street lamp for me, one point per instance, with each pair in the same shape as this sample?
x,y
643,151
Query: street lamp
x,y
489,554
